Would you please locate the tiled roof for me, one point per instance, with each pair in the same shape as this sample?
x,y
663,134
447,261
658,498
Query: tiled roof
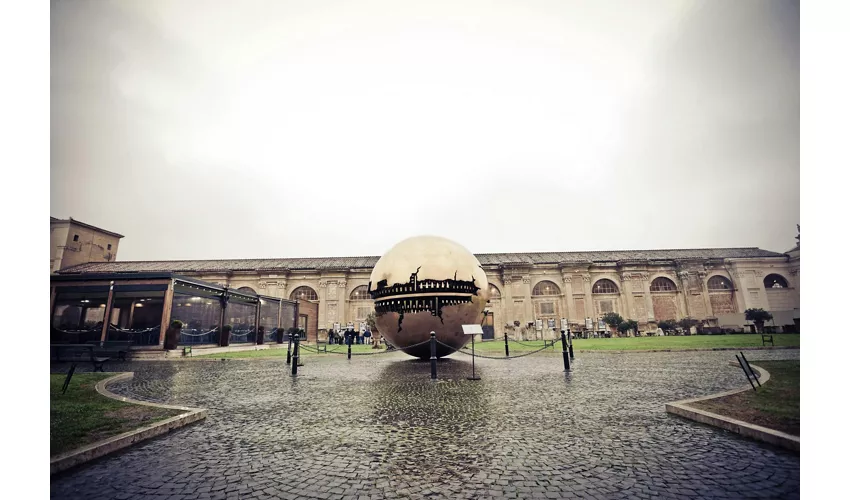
x,y
212,266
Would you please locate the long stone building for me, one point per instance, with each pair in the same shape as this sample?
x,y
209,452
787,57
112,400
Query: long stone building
x,y
714,286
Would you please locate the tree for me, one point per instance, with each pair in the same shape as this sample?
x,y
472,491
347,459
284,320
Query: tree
x,y
370,321
627,325
687,323
667,325
758,316
613,320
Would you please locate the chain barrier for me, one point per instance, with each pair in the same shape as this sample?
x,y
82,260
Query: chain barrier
x,y
495,357
345,353
533,346
123,330
198,334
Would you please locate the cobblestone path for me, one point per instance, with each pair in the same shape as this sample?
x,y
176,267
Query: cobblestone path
x,y
377,427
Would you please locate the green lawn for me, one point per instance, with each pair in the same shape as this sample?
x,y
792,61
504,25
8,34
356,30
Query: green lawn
x,y
81,416
281,352
498,346
637,343
775,405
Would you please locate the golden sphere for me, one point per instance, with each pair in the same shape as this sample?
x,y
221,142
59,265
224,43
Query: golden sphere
x,y
425,284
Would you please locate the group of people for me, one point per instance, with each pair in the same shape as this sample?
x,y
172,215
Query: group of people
x,y
364,337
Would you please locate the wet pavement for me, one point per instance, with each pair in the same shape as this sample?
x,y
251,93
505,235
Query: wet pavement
x,y
377,427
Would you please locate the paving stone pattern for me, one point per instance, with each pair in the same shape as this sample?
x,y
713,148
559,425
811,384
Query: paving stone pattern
x,y
377,427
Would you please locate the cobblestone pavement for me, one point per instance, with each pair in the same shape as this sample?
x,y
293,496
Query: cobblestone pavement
x,y
377,427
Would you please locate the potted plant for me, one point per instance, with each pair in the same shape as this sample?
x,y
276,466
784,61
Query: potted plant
x,y
613,320
758,316
625,326
224,336
667,325
172,335
687,323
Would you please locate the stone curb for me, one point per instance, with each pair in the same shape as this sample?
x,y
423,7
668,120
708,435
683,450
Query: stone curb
x,y
96,450
745,429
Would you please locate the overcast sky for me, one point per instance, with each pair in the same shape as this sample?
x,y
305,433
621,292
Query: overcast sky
x,y
225,129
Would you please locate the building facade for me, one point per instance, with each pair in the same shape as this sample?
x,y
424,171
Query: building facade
x,y
73,242
713,286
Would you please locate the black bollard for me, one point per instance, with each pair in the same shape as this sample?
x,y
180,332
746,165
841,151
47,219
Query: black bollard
x,y
289,350
570,338
350,338
433,356
507,352
295,358
565,351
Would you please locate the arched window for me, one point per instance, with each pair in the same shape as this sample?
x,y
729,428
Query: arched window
x,y
662,284
494,292
546,288
303,293
719,283
360,293
246,289
775,281
605,286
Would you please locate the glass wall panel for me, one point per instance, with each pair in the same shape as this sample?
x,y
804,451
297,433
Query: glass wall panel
x,y
200,317
78,317
269,313
287,315
136,316
241,317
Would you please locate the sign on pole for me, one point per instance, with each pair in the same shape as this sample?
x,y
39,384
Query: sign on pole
x,y
472,330
551,323
565,325
336,327
588,324
539,324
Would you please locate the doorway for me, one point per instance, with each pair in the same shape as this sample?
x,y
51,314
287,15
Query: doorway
x,y
488,326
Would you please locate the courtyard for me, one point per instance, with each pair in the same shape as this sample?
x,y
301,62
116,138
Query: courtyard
x,y
377,427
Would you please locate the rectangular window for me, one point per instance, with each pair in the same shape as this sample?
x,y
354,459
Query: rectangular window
x,y
76,237
547,308
109,246
362,312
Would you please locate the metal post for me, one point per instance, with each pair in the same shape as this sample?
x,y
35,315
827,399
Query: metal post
x,y
289,349
350,338
507,352
745,372
565,351
433,356
295,357
473,377
750,368
570,340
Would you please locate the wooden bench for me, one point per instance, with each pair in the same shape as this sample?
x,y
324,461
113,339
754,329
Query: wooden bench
x,y
765,338
80,352
121,347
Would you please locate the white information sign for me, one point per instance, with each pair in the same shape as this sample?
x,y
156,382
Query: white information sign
x,y
588,324
565,325
551,324
472,330
362,326
336,327
539,324
602,326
